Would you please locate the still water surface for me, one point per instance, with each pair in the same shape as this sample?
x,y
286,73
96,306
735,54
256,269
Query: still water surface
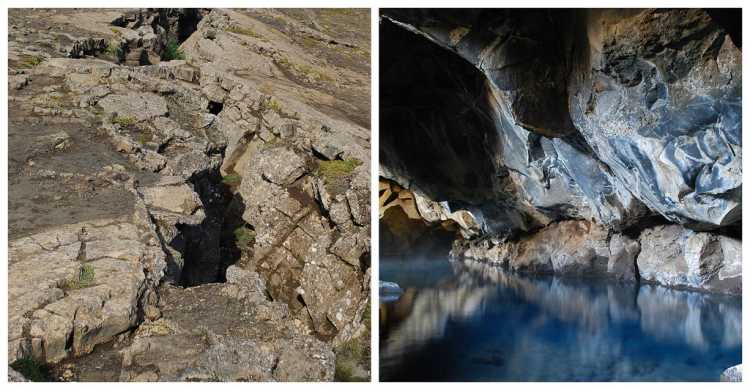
x,y
473,322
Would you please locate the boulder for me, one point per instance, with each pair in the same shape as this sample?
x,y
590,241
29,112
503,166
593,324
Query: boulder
x,y
675,256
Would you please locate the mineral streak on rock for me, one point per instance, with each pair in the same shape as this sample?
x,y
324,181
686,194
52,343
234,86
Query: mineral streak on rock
x,y
580,141
170,218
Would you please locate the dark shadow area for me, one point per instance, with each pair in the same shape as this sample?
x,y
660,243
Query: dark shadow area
x,y
215,107
210,248
187,23
730,19
435,126
400,235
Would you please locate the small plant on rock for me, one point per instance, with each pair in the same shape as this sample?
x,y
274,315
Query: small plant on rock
x,y
172,51
31,61
275,106
348,355
244,237
243,31
145,137
337,168
113,48
85,278
124,121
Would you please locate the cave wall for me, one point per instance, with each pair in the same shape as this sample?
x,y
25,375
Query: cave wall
x,y
615,116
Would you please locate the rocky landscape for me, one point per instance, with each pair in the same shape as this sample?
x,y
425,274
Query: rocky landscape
x,y
189,195
596,143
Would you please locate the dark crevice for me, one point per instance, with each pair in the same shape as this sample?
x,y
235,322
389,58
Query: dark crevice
x,y
209,248
435,118
215,107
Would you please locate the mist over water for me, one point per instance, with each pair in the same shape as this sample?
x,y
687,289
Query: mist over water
x,y
467,321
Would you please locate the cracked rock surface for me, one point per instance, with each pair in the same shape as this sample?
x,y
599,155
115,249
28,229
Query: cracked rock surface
x,y
189,192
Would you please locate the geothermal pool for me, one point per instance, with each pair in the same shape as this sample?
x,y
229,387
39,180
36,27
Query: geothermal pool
x,y
467,321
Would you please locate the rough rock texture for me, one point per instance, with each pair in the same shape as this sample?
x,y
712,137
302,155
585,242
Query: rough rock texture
x,y
624,119
409,220
599,113
141,238
216,332
15,376
622,254
676,256
732,374
569,247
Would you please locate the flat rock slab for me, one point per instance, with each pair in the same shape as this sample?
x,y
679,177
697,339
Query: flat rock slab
x,y
79,282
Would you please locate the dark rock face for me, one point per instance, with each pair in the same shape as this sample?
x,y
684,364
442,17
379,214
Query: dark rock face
x,y
607,115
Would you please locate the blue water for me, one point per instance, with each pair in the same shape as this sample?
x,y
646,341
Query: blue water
x,y
473,322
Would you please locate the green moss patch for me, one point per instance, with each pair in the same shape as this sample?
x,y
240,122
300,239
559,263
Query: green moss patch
x,y
31,369
232,180
334,169
30,61
244,31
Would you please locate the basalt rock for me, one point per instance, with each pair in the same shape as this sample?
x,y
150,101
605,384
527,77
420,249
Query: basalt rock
x,y
592,125
569,247
608,115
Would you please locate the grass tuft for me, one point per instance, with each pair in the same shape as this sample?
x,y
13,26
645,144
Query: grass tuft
x,y
308,72
232,180
113,48
275,106
84,279
124,121
244,237
30,61
173,51
31,369
337,168
348,355
343,373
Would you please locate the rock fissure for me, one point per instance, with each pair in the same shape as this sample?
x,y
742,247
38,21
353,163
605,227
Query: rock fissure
x,y
207,255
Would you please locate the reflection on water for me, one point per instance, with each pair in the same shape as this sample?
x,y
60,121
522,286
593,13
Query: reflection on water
x,y
470,321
